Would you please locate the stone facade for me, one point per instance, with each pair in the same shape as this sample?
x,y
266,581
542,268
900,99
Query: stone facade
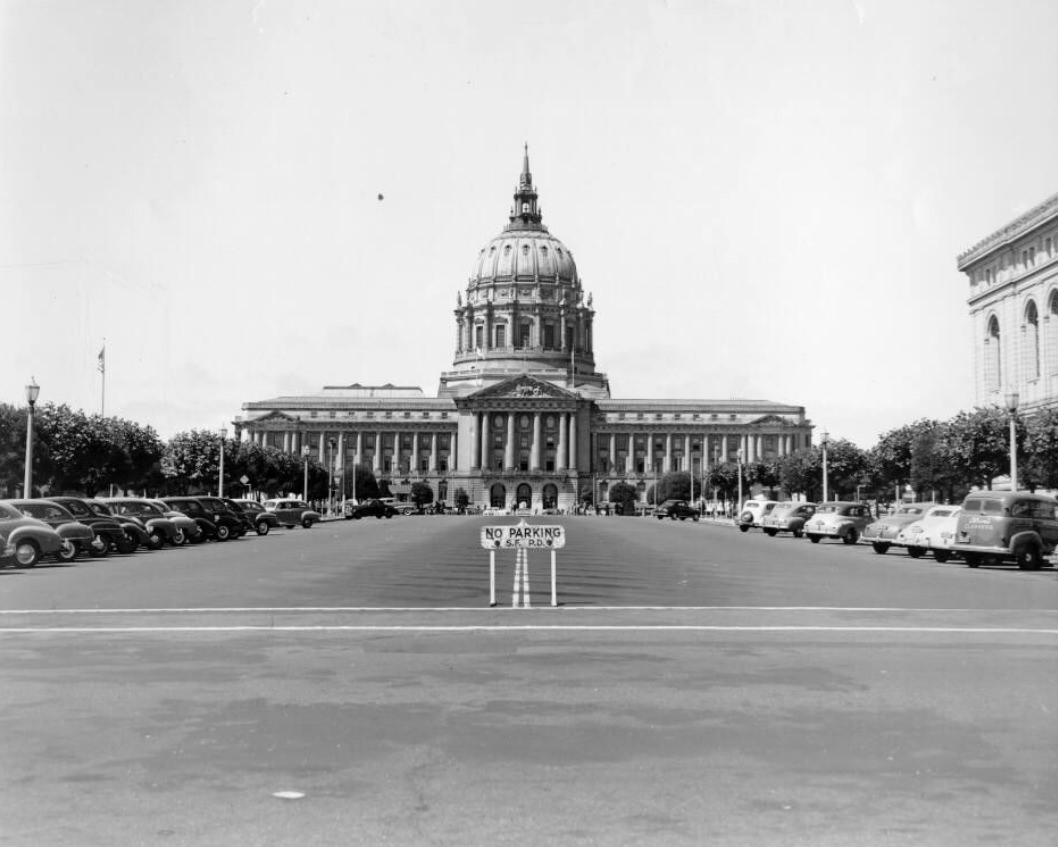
x,y
523,417
1013,278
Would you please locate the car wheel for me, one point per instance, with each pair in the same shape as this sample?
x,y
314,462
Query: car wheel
x,y
973,560
915,552
356,517
798,533
660,517
406,512
880,547
851,537
98,547
307,523
27,554
127,544
262,527
155,541
744,527
942,555
223,532
771,533
179,537
68,552
814,538
1030,558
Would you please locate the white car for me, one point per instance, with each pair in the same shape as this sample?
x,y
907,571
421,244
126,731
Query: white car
x,y
753,512
934,532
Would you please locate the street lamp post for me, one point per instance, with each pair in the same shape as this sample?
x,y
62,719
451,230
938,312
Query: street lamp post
x,y
825,441
305,485
220,473
1012,407
738,507
330,476
32,392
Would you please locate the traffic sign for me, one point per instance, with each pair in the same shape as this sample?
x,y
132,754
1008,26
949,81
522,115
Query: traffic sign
x,y
521,534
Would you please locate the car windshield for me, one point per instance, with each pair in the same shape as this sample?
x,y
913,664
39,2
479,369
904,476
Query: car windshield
x,y
987,507
76,509
46,511
827,509
942,513
100,509
138,509
9,511
911,510
251,506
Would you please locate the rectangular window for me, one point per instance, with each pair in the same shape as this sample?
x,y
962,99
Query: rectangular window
x,y
549,336
478,334
501,335
523,335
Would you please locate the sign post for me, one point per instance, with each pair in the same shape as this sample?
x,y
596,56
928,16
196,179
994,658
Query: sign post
x,y
523,537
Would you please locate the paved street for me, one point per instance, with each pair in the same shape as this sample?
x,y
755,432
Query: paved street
x,y
349,684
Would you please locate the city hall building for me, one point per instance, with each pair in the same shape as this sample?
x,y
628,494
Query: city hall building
x,y
522,418
1013,278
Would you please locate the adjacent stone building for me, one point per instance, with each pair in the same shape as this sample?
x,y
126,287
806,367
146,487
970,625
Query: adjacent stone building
x,y
1013,277
523,417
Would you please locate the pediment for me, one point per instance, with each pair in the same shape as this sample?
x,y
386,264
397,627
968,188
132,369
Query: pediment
x,y
772,420
523,387
277,416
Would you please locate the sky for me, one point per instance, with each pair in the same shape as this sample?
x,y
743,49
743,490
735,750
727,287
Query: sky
x,y
765,199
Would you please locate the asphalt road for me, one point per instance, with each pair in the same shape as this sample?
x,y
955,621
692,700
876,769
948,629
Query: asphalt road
x,y
350,684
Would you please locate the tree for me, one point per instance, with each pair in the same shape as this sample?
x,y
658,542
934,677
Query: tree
x,y
978,445
1041,445
765,474
624,495
462,499
77,452
675,485
421,494
801,472
724,479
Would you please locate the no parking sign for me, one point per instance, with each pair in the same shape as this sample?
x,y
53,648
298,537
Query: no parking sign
x,y
522,537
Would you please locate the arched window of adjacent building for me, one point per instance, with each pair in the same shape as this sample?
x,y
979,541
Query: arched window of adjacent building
x,y
993,361
1050,339
1032,341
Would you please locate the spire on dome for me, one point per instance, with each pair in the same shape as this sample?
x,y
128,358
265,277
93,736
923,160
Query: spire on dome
x,y
525,214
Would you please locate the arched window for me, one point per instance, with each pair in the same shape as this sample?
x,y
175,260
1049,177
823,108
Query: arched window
x,y
1050,341
993,361
1032,341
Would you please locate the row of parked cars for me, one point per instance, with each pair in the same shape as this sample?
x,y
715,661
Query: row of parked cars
x,y
67,527
988,527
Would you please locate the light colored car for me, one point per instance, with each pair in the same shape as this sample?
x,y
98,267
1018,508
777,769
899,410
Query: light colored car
x,y
881,533
935,533
24,540
838,519
292,512
753,512
788,517
76,536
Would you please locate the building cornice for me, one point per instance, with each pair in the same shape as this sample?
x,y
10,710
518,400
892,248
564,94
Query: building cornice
x,y
1038,215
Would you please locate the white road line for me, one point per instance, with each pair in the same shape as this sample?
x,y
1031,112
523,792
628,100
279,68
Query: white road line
x,y
533,627
527,600
569,609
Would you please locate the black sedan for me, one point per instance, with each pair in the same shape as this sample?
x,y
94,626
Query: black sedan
x,y
368,509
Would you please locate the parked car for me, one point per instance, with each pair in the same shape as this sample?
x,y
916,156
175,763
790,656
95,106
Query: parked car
x,y
215,519
753,512
1007,526
263,520
159,528
24,540
108,533
934,533
673,509
788,517
292,512
368,509
248,525
187,529
76,536
135,530
881,533
838,519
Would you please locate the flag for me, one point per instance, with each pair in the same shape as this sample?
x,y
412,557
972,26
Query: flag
x,y
102,365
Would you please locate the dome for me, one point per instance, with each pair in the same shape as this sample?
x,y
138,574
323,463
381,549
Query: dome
x,y
524,255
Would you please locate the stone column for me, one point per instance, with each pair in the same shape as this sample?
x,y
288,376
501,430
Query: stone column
x,y
573,442
433,452
485,445
414,452
536,463
563,444
377,459
359,457
630,454
611,456
452,444
286,441
475,441
668,452
509,455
